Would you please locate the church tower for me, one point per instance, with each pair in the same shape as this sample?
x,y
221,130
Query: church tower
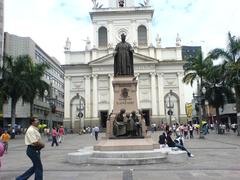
x,y
122,16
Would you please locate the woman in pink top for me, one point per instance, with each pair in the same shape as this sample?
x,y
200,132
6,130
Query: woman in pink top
x,y
54,137
1,151
61,133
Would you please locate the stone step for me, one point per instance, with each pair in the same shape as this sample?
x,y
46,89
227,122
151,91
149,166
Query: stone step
x,y
127,161
126,154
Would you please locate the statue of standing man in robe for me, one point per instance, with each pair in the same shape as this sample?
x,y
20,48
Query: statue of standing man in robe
x,y
123,58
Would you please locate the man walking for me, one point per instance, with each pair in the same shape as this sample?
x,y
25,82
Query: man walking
x,y
34,146
96,131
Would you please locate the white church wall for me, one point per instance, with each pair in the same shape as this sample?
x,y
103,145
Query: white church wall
x,y
169,53
76,58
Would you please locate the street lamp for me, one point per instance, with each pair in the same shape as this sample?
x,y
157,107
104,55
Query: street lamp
x,y
200,104
170,106
52,104
80,110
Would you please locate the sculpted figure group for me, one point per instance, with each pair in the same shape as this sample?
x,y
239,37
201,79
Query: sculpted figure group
x,y
126,124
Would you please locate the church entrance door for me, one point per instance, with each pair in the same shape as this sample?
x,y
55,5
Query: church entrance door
x,y
104,116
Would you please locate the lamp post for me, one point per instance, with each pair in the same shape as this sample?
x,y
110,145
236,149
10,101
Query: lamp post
x,y
170,106
80,110
52,104
200,104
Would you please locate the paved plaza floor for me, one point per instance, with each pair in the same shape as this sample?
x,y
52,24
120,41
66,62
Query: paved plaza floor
x,y
216,157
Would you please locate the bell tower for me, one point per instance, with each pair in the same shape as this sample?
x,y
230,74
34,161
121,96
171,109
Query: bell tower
x,y
122,17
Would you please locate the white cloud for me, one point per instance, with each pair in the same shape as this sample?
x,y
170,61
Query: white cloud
x,y
50,22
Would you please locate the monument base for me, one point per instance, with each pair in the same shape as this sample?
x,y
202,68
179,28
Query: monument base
x,y
126,144
88,155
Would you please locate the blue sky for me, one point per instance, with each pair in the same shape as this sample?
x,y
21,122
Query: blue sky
x,y
50,22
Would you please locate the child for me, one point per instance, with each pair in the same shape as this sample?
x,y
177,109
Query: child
x,y
5,138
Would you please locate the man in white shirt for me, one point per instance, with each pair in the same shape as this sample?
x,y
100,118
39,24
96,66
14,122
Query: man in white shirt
x,y
96,131
34,145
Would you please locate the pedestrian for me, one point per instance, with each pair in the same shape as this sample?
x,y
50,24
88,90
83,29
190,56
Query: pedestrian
x,y
191,131
61,133
54,137
171,143
96,131
34,146
1,151
5,138
162,140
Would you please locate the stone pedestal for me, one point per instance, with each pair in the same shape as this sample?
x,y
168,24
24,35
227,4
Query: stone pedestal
x,y
125,94
125,97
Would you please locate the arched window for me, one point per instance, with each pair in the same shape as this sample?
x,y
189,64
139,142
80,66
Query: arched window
x,y
102,37
142,36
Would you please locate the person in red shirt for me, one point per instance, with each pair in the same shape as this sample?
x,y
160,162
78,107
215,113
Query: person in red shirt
x,y
54,137
2,149
61,133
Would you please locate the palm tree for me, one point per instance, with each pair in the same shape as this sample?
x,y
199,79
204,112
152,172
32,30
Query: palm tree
x,y
231,59
195,68
36,85
217,93
14,82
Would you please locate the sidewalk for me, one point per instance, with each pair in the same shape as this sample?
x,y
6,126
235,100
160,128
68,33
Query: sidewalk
x,y
216,157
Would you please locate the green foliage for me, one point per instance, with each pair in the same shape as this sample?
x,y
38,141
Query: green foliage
x,y
231,64
195,68
21,79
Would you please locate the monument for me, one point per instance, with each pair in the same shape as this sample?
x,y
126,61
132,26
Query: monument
x,y
126,129
125,96
126,141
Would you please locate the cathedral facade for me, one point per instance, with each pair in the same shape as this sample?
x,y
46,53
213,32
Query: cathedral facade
x,y
89,73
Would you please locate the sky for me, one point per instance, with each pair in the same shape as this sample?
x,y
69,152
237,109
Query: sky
x,y
50,22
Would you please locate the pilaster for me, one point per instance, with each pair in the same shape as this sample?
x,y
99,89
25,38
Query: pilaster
x,y
111,93
154,94
138,101
181,94
161,94
67,97
95,97
87,96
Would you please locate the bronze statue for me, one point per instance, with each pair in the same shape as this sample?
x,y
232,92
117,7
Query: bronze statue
x,y
130,125
123,58
119,124
121,3
138,125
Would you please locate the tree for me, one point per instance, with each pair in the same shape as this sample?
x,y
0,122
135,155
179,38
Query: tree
x,y
14,83
195,68
22,79
217,93
36,85
231,63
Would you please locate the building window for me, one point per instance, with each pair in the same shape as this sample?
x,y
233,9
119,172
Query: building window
x,y
102,37
142,36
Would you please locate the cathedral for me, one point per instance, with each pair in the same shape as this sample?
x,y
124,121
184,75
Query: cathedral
x,y
159,71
